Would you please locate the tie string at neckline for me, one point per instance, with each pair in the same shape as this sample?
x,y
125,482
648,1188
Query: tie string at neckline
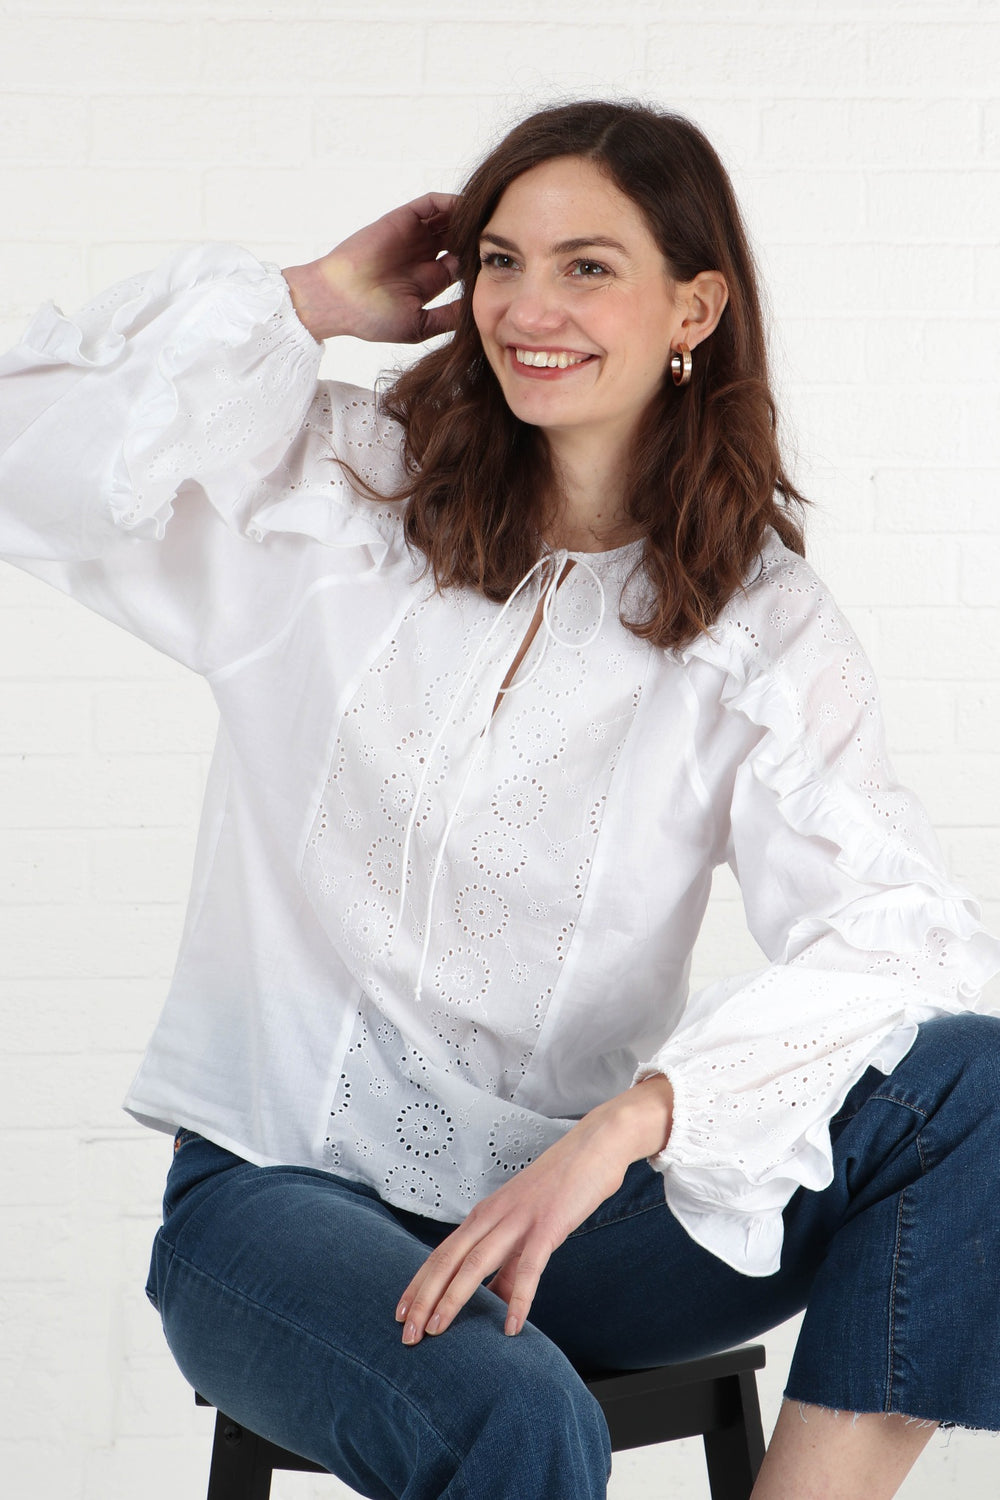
x,y
557,560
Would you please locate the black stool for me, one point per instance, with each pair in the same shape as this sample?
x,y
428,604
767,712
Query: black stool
x,y
714,1398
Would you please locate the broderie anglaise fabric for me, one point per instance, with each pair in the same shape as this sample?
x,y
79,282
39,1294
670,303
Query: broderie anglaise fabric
x,y
762,1054
449,858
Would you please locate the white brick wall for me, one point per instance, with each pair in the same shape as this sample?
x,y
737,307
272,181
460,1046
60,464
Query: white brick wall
x,y
866,146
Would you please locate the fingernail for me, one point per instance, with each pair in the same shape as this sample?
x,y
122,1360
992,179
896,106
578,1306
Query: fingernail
x,y
410,1333
434,1324
510,1327
401,1312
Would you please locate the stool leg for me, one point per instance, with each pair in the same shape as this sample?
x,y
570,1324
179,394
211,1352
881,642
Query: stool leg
x,y
736,1452
239,1469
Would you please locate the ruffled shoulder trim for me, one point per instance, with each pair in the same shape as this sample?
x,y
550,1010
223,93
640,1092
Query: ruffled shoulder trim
x,y
344,434
792,665
780,596
846,891
208,371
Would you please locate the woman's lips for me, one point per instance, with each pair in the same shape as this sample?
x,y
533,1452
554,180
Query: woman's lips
x,y
557,362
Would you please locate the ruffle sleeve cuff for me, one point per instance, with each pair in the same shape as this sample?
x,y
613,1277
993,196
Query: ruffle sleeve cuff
x,y
201,369
753,1098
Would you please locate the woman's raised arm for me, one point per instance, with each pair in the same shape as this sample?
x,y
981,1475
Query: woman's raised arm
x,y
172,410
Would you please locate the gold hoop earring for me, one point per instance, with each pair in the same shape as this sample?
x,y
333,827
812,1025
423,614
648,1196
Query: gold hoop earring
x,y
681,365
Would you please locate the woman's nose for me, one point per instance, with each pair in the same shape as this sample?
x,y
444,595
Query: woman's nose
x,y
536,306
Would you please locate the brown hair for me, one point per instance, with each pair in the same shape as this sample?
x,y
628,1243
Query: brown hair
x,y
705,477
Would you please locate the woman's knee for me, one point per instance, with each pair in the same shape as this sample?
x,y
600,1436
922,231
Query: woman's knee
x,y
958,1054
949,1084
482,1415
489,1417
969,1034
550,1426
292,1332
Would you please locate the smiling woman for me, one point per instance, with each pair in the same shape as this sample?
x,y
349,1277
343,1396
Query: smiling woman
x,y
581,347
611,234
508,660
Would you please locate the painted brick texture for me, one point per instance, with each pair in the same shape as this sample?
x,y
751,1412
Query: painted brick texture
x,y
864,140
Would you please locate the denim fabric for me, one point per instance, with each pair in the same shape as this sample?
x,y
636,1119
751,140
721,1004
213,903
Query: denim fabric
x,y
277,1288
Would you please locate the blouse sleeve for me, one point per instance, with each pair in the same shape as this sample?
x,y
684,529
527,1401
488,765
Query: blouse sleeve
x,y
150,443
844,890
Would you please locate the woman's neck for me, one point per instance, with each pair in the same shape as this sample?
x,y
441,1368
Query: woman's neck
x,y
584,536
588,513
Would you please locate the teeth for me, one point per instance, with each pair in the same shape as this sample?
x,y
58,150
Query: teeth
x,y
542,359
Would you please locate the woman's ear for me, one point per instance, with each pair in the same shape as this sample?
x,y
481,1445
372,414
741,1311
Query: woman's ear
x,y
704,300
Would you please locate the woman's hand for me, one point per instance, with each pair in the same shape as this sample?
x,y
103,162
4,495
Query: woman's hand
x,y
513,1232
377,283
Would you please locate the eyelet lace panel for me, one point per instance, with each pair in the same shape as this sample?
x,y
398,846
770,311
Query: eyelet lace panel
x,y
455,844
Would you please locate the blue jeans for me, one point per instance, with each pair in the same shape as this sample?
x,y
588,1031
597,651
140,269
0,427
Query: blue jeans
x,y
277,1288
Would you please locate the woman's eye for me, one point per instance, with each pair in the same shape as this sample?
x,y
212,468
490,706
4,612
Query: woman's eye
x,y
589,270
496,260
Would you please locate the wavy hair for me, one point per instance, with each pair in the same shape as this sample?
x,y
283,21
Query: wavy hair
x,y
704,477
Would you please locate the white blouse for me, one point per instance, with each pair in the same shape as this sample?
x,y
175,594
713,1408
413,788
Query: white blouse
x,y
427,929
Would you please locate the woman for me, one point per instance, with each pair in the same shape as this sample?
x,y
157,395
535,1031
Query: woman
x,y
506,663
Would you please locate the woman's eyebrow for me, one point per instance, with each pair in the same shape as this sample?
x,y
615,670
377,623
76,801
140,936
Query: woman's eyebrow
x,y
564,247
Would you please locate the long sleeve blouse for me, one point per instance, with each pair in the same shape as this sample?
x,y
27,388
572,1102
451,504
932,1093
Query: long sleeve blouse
x,y
433,923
